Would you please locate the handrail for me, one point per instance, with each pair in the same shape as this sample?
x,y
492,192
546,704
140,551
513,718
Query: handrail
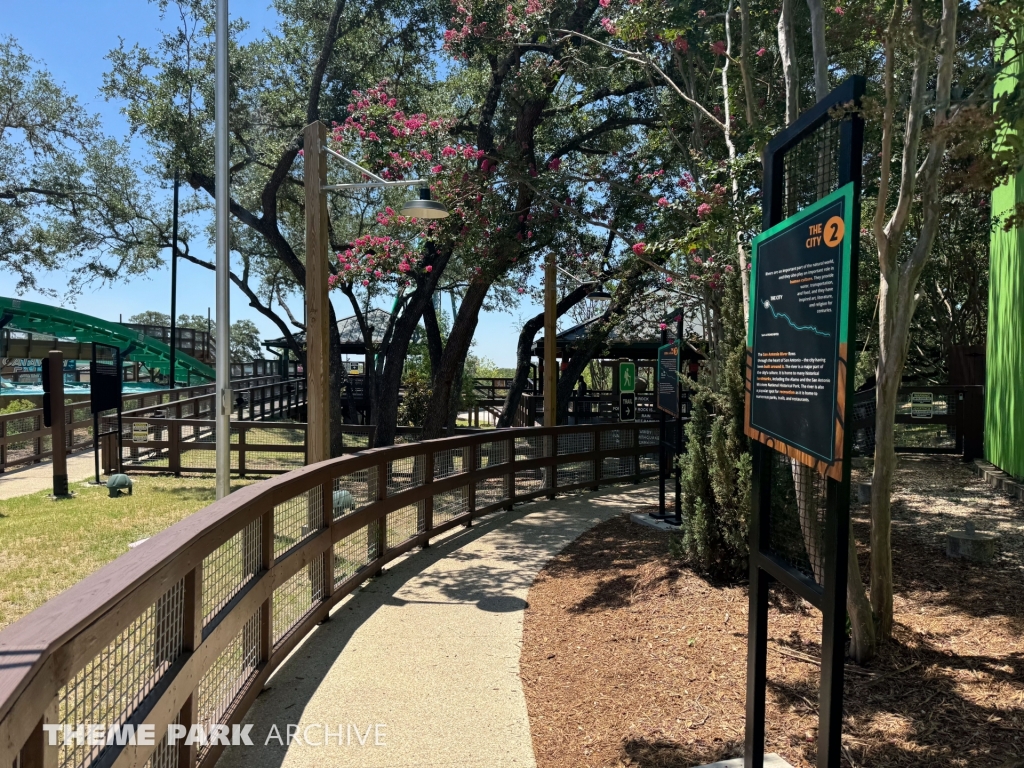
x,y
201,614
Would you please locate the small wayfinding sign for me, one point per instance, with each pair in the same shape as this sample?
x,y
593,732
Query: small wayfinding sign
x,y
668,379
922,405
627,406
627,377
797,335
140,432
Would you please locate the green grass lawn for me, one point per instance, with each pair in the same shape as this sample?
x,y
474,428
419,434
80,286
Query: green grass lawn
x,y
46,546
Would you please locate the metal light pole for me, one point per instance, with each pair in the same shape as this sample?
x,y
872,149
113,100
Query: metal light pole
x,y
174,277
223,211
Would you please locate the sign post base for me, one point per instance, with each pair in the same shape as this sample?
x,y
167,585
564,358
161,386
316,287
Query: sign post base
x,y
770,761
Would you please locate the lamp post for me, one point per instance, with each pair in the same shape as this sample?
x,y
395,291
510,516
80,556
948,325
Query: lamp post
x,y
174,276
222,174
315,151
550,328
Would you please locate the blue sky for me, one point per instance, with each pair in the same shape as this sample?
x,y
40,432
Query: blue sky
x,y
71,38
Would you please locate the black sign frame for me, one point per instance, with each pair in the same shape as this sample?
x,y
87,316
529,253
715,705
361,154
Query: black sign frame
x,y
842,106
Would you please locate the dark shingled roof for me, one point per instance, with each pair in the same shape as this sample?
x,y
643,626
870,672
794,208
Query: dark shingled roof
x,y
348,329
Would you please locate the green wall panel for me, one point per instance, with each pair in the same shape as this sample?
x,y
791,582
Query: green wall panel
x,y
1004,390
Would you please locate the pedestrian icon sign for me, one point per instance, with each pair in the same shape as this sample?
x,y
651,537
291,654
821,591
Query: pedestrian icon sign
x,y
627,377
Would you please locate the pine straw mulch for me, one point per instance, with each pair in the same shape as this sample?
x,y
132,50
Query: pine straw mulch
x,y
630,659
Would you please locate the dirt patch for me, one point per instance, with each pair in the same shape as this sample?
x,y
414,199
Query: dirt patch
x,y
630,659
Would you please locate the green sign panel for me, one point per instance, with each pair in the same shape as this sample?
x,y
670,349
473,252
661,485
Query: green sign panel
x,y
627,377
797,335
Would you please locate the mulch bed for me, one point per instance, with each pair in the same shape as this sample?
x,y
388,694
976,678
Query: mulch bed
x,y
631,659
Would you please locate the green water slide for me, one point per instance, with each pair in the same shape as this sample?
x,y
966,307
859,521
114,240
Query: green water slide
x,y
30,317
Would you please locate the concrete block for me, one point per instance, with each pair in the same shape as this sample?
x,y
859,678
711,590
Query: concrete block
x,y
969,544
770,761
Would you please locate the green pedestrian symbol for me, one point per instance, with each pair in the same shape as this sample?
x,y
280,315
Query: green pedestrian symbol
x,y
627,377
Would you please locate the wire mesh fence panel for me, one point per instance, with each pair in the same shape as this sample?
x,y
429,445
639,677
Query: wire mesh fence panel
x,y
578,442
297,518
294,599
111,686
490,491
354,491
354,552
260,453
406,473
449,462
26,448
526,448
166,754
226,678
811,169
450,504
797,521
617,466
575,472
404,523
491,454
648,436
355,439
136,440
230,567
617,438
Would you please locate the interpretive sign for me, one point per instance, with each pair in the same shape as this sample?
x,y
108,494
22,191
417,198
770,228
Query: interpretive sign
x,y
627,406
667,396
922,405
627,377
140,432
797,335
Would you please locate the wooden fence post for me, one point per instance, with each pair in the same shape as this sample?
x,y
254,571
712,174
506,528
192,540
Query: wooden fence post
x,y
510,478
327,589
469,466
38,752
174,447
428,502
598,462
267,607
192,638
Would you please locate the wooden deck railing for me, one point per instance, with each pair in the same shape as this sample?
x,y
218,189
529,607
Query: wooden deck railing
x,y
187,627
24,439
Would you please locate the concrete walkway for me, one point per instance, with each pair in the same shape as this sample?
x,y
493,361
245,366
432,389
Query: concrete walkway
x,y
430,651
39,477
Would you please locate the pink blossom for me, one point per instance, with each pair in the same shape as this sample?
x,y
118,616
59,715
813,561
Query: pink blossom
x,y
555,164
668,279
332,280
695,277
521,290
302,153
761,51
840,11
701,14
703,210
377,273
437,169
662,326
449,151
640,226
428,268
696,260
663,202
718,47
678,318
366,283
728,267
605,3
609,27
639,248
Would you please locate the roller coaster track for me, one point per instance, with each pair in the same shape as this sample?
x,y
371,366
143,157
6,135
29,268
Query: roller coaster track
x,y
66,325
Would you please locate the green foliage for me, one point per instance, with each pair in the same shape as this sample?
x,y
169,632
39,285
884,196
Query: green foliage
x,y
716,467
245,342
14,406
70,198
413,408
151,317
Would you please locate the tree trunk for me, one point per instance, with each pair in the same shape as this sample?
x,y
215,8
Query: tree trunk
x,y
524,351
453,358
787,50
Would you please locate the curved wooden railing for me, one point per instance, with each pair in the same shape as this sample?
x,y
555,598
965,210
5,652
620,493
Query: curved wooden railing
x,y
187,627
